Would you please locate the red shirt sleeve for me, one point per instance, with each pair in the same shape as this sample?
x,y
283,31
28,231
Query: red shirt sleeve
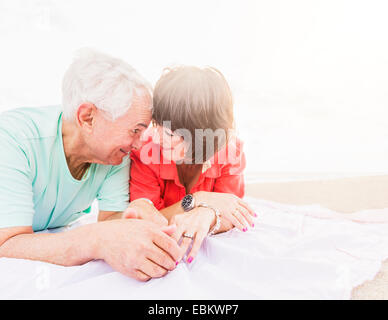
x,y
144,182
231,179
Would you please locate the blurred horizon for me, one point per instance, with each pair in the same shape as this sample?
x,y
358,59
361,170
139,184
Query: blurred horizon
x,y
309,77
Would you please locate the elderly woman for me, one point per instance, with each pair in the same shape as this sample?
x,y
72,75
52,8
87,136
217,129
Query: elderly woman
x,y
191,167
55,161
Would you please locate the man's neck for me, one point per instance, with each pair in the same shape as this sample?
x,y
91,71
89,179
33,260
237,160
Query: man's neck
x,y
75,150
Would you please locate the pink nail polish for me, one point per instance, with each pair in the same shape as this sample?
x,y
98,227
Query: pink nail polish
x,y
176,263
253,225
190,259
255,214
245,229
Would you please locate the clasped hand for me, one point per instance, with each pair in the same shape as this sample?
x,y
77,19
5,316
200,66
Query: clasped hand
x,y
193,226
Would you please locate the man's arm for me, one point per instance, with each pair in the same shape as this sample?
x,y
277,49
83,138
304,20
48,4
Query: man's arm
x,y
69,248
127,246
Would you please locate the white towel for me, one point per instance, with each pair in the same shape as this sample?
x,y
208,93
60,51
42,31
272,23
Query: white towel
x,y
293,252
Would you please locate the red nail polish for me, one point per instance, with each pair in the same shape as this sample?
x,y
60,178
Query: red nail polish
x,y
190,259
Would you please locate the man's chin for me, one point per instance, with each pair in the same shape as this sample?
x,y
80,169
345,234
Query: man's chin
x,y
117,161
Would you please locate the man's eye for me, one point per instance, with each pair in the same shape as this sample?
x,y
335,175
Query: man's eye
x,y
135,131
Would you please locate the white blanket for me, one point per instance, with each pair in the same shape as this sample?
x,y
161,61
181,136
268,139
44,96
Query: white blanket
x,y
294,252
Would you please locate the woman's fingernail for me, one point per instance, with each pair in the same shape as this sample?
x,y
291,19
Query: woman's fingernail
x,y
176,263
255,214
245,229
190,259
253,225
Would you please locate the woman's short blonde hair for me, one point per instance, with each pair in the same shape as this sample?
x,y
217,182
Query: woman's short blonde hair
x,y
193,98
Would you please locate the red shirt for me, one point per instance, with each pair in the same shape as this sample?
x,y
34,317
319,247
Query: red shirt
x,y
160,182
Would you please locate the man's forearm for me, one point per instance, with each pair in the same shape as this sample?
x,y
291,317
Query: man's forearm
x,y
74,247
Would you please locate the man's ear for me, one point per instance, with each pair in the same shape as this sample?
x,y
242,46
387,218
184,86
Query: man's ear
x,y
85,115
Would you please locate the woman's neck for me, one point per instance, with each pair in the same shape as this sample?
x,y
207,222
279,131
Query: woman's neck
x,y
189,175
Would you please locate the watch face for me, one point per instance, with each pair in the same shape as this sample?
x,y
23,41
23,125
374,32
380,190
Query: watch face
x,y
187,202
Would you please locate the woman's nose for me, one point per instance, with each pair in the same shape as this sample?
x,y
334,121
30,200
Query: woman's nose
x,y
137,143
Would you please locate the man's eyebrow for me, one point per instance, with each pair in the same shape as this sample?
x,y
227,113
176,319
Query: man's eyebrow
x,y
142,125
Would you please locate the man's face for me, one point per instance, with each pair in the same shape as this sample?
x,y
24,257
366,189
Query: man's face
x,y
111,141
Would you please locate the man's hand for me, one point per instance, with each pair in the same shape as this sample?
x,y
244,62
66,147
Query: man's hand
x,y
142,209
137,248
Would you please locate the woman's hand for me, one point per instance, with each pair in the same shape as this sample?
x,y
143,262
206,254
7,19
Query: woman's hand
x,y
193,227
142,209
231,207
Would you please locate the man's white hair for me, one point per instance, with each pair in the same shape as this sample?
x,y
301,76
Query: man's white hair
x,y
109,83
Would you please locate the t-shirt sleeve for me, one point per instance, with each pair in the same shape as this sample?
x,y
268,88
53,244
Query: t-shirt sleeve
x,y
113,194
231,179
16,195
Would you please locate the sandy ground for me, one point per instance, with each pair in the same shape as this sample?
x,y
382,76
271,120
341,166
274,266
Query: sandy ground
x,y
343,195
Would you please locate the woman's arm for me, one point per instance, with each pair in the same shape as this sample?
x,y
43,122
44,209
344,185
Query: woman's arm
x,y
229,188
172,211
231,181
176,209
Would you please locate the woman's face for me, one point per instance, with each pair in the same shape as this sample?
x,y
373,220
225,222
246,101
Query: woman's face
x,y
173,146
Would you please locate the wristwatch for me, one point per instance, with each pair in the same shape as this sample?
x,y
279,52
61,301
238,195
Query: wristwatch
x,y
188,202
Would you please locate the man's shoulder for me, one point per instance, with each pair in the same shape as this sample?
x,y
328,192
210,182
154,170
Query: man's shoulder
x,y
31,123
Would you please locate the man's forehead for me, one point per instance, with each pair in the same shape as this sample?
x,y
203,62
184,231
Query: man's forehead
x,y
141,98
139,116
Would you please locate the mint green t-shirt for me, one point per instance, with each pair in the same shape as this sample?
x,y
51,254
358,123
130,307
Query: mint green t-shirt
x,y
36,186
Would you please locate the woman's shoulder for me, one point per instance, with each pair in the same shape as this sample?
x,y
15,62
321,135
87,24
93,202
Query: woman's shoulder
x,y
231,152
235,144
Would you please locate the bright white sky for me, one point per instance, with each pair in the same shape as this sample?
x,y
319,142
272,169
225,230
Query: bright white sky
x,y
310,77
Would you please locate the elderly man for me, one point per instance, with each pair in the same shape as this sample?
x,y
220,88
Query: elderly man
x,y
54,162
